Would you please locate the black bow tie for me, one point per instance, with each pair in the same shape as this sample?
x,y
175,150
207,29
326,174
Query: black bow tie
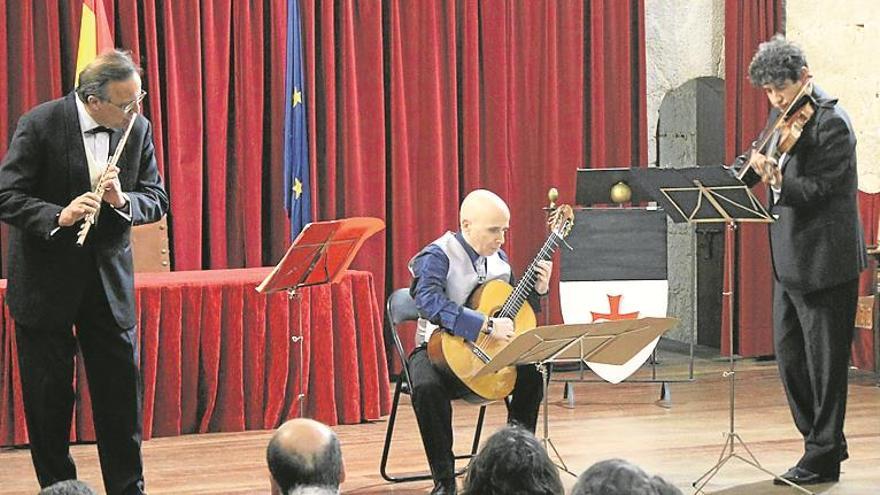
x,y
98,129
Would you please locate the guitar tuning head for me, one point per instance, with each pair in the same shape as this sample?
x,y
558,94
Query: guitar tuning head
x,y
561,220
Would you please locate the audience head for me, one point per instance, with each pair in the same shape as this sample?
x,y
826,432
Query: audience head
x,y
619,477
68,487
484,219
313,490
512,462
303,452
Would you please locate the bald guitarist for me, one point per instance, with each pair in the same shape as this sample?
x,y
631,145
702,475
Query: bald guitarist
x,y
444,274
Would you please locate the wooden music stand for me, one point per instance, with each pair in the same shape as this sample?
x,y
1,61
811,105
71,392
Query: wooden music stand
x,y
320,254
609,342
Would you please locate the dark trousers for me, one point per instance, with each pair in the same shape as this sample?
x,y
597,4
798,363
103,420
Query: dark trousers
x,y
431,396
813,334
110,354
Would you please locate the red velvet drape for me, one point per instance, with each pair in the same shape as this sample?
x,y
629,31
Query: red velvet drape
x,y
215,355
215,97
414,107
410,106
747,24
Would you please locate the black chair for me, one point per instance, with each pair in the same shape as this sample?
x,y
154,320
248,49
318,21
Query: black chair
x,y
401,308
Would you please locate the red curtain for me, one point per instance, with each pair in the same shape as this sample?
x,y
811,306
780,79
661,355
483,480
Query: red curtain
x,y
411,105
747,24
414,107
212,73
217,356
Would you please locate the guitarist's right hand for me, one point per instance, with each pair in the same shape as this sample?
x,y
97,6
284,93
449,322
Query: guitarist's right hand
x,y
502,329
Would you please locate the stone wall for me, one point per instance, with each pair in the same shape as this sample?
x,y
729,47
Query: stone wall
x,y
684,40
841,40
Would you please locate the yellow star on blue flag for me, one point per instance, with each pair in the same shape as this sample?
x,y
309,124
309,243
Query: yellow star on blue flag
x,y
297,187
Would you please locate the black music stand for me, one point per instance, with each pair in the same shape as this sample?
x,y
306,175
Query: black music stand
x,y
319,255
712,195
609,342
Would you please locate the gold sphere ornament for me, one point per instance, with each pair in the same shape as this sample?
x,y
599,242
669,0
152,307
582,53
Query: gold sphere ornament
x,y
552,196
621,193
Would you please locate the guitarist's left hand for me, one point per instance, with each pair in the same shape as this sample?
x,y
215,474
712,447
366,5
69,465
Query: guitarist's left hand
x,y
543,269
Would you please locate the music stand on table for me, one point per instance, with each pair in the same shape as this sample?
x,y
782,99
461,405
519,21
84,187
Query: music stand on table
x,y
713,195
319,255
610,342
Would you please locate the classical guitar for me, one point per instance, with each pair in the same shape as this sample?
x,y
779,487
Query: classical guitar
x,y
462,359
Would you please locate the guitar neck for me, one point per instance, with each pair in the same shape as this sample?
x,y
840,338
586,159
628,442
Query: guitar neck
x,y
526,283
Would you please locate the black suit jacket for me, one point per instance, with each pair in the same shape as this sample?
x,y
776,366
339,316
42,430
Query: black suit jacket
x,y
44,169
817,241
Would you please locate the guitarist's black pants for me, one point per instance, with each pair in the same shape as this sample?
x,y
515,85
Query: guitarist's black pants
x,y
431,396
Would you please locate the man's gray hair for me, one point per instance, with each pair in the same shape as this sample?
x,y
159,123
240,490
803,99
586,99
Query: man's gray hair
x,y
112,65
776,61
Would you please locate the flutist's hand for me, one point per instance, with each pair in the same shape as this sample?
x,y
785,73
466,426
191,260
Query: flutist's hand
x,y
112,188
81,206
767,168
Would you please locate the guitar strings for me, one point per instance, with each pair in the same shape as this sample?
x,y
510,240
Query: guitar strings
x,y
520,293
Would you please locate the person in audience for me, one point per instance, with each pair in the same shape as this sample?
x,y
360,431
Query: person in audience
x,y
312,490
304,453
619,477
68,487
512,462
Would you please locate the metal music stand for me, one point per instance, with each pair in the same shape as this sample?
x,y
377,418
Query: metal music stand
x,y
713,195
610,342
319,255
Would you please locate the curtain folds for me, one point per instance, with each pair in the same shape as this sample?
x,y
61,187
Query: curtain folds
x,y
747,24
217,356
410,106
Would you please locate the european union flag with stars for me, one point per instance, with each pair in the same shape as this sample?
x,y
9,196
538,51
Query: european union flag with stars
x,y
297,190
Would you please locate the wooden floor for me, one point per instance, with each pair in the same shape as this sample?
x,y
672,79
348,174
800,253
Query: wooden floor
x,y
678,441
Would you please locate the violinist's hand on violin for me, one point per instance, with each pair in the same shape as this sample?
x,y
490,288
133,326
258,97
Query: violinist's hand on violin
x,y
767,168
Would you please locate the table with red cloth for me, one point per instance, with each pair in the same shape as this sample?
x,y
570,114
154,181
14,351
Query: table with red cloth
x,y
218,356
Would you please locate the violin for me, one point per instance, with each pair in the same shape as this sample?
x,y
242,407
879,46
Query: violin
x,y
781,135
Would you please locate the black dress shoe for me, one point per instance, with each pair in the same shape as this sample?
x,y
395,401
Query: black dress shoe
x,y
801,476
444,487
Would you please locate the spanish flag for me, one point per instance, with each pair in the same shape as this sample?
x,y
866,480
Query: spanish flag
x,y
94,34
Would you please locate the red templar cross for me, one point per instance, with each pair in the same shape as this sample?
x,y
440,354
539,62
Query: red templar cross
x,y
614,314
